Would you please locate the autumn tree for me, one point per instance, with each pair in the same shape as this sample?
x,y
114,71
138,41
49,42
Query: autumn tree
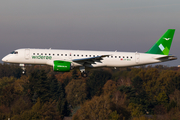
x,y
20,105
39,111
109,87
76,92
99,108
64,78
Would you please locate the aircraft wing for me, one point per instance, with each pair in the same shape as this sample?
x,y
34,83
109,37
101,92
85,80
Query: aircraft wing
x,y
90,60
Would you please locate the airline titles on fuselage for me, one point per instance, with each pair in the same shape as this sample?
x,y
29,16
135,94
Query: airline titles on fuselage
x,y
50,57
42,57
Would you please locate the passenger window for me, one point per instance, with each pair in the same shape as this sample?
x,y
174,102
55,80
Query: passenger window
x,y
33,53
41,53
119,56
115,56
49,54
111,56
61,54
45,53
82,55
86,55
65,54
89,55
77,55
37,53
74,55
57,54
127,56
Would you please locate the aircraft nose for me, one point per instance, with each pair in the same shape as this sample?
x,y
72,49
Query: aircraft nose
x,y
4,59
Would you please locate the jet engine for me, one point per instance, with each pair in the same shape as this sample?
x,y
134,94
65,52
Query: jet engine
x,y
62,66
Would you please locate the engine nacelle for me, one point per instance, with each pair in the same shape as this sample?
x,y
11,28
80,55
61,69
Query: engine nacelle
x,y
61,66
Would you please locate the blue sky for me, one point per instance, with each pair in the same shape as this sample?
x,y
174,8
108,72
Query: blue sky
x,y
122,25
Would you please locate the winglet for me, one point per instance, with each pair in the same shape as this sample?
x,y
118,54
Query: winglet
x,y
163,45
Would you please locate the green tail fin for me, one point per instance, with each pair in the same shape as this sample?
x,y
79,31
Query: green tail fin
x,y
163,45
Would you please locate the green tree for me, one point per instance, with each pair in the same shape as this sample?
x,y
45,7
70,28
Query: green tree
x,y
8,94
136,109
62,104
137,83
114,116
54,87
8,70
162,99
96,82
39,86
75,74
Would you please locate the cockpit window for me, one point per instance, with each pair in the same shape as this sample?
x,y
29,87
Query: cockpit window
x,y
14,52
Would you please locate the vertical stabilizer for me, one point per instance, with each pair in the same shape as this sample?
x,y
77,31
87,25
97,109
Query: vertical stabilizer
x,y
163,45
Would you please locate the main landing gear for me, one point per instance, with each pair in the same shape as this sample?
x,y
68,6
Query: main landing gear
x,y
83,73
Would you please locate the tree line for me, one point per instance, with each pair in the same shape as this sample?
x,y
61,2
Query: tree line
x,y
145,93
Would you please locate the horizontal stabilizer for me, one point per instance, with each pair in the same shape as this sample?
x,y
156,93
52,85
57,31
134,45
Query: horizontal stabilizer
x,y
167,58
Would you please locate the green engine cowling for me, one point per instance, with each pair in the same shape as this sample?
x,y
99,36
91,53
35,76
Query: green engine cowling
x,y
61,66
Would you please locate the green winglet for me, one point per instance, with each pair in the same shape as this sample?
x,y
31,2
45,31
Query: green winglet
x,y
163,45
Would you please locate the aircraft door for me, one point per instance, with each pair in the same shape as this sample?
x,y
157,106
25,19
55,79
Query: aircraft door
x,y
27,54
137,57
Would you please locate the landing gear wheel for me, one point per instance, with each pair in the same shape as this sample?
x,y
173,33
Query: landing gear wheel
x,y
84,74
23,72
23,68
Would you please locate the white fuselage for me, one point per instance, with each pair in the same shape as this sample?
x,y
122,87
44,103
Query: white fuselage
x,y
47,56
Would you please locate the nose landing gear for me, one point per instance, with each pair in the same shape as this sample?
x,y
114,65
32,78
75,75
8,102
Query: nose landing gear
x,y
23,68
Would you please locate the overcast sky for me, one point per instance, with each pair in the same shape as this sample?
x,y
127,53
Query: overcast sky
x,y
122,25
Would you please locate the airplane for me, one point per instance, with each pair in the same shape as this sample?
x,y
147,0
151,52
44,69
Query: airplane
x,y
66,60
